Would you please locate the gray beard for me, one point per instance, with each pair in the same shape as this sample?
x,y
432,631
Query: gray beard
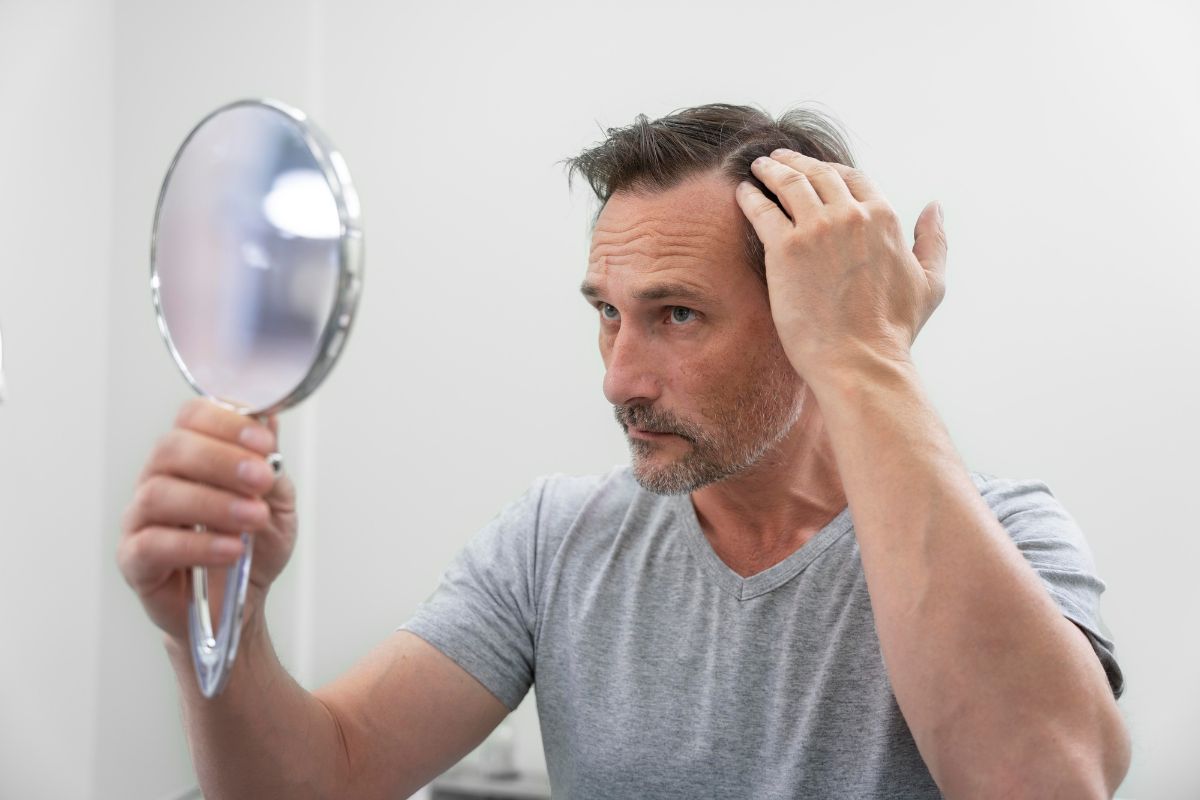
x,y
745,437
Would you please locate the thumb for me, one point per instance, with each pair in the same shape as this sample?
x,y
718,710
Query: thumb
x,y
282,495
930,240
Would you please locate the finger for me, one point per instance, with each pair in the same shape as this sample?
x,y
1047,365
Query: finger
x,y
929,241
205,416
859,184
767,218
793,188
282,496
200,458
826,181
146,558
166,501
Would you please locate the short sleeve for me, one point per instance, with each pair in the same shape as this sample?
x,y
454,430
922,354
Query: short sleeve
x,y
1051,541
482,613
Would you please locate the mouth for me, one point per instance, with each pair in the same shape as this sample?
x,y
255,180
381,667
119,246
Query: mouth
x,y
638,433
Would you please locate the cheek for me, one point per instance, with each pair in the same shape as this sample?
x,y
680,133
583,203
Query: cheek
x,y
706,385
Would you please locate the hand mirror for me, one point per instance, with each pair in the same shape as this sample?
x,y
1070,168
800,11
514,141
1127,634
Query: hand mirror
x,y
255,271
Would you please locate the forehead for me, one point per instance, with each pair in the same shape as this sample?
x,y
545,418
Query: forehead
x,y
694,229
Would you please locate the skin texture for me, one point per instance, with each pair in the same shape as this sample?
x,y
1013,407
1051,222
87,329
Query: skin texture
x,y
975,647
790,403
709,368
399,717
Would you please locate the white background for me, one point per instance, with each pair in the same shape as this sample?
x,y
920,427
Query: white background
x,y
1060,137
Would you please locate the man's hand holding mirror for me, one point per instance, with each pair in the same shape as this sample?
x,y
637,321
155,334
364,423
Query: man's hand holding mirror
x,y
210,469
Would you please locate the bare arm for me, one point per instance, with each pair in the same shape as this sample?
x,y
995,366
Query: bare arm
x,y
1004,695
396,720
264,735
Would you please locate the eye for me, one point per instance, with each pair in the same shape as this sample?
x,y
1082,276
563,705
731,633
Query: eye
x,y
682,314
605,308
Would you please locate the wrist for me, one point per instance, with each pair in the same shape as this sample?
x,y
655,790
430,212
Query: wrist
x,y
855,366
253,622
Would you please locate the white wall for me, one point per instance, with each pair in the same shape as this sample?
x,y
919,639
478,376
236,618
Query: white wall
x,y
56,176
174,63
1059,138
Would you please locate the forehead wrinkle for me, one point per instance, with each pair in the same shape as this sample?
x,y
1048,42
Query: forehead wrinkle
x,y
654,241
663,256
684,228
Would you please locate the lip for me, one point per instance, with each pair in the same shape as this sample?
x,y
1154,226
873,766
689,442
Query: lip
x,y
638,433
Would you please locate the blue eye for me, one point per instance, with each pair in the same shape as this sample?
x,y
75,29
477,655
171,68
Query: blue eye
x,y
604,308
675,317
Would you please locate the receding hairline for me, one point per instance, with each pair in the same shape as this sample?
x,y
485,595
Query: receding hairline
x,y
644,189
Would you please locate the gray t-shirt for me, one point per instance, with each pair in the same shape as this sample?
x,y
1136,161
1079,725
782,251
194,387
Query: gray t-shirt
x,y
662,673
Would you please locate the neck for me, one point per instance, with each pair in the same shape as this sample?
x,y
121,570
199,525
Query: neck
x,y
765,513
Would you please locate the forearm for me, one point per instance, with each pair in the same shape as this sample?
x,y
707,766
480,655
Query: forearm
x,y
994,682
264,735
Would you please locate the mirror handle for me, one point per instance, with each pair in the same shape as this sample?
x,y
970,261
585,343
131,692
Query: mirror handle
x,y
213,651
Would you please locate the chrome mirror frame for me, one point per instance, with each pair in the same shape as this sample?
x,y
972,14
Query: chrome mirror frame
x,y
214,650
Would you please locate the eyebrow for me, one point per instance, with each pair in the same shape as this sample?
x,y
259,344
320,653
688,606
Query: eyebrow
x,y
657,291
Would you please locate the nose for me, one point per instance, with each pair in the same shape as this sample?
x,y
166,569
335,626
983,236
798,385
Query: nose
x,y
632,372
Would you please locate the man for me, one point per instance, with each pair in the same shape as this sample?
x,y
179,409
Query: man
x,y
795,590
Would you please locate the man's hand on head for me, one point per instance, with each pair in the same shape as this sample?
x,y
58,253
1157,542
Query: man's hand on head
x,y
843,287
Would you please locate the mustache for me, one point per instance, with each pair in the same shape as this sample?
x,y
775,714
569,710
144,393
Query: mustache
x,y
649,419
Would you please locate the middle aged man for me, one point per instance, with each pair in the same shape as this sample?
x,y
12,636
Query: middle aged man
x,y
796,589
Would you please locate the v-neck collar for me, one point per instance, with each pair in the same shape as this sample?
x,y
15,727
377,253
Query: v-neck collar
x,y
770,578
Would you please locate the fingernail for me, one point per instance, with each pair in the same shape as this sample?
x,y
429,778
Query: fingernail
x,y
246,510
783,151
255,472
941,214
761,160
258,438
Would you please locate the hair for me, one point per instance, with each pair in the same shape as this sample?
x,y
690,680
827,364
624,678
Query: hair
x,y
655,155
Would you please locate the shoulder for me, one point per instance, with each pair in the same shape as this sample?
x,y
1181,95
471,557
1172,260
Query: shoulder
x,y
1020,497
562,498
1038,523
1052,543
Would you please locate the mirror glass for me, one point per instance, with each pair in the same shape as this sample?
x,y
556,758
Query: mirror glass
x,y
248,256
256,264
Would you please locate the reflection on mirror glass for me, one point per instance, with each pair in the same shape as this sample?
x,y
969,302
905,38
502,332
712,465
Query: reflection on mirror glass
x,y
247,256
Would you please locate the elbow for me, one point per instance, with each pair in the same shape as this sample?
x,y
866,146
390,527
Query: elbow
x,y
344,769
1072,771
1117,754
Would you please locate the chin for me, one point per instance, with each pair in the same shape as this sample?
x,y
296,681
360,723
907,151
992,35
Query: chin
x,y
666,479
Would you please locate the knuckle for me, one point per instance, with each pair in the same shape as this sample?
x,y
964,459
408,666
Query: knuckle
x,y
794,178
854,214
167,448
853,175
823,169
150,495
939,289
188,413
819,225
765,207
132,554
